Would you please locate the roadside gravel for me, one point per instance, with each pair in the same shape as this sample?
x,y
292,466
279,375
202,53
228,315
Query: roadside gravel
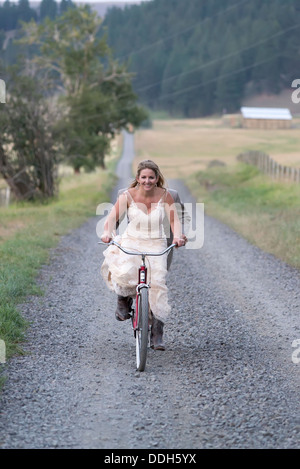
x,y
226,379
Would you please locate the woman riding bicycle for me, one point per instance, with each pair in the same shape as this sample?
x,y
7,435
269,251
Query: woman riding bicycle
x,y
146,203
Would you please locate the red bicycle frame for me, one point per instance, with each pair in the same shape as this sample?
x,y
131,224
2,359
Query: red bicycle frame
x,y
142,281
142,275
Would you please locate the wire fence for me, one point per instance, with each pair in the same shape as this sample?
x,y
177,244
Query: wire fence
x,y
267,165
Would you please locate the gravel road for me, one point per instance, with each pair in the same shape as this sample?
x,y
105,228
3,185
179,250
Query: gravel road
x,y
226,380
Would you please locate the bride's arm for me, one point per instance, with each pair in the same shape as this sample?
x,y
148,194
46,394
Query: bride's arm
x,y
115,214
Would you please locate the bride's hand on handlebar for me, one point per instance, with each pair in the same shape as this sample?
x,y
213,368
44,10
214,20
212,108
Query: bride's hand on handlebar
x,y
180,241
106,238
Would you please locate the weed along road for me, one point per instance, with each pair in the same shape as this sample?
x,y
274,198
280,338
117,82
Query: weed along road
x,y
229,377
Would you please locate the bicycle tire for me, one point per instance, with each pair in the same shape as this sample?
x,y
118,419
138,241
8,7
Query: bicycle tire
x,y
142,332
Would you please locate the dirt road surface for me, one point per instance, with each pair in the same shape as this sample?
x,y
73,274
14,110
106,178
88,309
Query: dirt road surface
x,y
229,377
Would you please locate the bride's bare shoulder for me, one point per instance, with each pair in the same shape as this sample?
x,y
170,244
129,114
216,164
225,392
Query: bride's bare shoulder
x,y
169,199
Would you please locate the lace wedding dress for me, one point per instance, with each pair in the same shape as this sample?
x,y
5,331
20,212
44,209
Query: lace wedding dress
x,y
144,232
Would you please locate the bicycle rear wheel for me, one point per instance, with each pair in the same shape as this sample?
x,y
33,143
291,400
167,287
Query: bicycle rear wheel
x,y
142,332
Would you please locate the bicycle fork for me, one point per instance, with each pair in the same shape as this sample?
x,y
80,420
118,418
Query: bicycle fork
x,y
142,283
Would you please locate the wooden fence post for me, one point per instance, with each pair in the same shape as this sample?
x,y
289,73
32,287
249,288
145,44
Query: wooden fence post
x,y
267,165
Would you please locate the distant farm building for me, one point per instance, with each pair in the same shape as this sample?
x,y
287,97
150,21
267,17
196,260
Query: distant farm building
x,y
266,118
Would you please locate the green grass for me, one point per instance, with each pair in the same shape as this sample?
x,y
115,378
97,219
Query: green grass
x,y
265,212
30,230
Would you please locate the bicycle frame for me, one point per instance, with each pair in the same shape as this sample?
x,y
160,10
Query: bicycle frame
x,y
142,283
142,274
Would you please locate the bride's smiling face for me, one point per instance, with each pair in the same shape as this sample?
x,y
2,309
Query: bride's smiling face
x,y
147,179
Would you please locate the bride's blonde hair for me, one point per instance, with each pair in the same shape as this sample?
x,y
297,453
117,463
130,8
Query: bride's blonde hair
x,y
149,164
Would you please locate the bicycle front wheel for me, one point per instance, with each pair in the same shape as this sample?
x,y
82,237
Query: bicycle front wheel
x,y
142,332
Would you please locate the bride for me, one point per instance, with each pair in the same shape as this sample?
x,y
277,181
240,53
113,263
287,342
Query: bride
x,y
146,203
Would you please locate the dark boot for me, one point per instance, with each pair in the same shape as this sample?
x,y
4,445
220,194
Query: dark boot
x,y
156,338
123,308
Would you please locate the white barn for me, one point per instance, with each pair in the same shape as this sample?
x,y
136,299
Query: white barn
x,y
266,118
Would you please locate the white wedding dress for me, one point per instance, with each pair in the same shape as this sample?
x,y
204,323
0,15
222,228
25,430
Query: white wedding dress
x,y
144,233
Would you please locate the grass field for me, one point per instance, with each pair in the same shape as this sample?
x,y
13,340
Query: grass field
x,y
265,212
185,146
28,231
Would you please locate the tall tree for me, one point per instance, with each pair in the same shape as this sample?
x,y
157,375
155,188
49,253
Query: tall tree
x,y
230,84
9,16
28,155
25,12
48,9
64,5
95,88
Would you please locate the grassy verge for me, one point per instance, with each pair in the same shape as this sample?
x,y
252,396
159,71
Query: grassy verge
x,y
265,212
28,231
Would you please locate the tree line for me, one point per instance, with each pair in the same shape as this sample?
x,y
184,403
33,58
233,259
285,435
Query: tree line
x,y
11,13
67,98
199,57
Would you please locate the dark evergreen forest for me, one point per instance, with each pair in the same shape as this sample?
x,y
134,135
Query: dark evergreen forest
x,y
12,13
197,57
190,57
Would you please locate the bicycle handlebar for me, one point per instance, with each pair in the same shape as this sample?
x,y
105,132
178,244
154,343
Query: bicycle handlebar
x,y
138,253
